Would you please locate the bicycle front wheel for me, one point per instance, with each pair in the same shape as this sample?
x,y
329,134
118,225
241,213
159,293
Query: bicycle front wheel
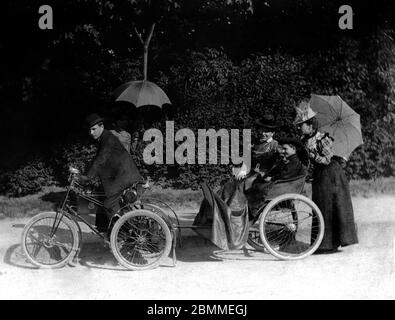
x,y
50,240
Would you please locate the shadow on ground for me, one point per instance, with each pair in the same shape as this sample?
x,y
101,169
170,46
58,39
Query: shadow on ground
x,y
195,249
94,253
15,257
18,225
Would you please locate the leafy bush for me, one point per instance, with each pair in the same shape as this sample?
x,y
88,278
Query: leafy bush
x,y
210,90
214,92
375,158
27,179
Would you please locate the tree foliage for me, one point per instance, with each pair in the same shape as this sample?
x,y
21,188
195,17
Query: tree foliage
x,y
222,63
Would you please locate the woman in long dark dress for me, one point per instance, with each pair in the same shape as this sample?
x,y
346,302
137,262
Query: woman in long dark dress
x,y
330,186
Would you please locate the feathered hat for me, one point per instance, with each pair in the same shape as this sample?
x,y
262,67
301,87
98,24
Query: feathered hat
x,y
304,112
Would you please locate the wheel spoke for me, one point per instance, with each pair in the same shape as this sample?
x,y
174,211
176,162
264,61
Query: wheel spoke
x,y
291,228
43,250
141,240
36,249
64,246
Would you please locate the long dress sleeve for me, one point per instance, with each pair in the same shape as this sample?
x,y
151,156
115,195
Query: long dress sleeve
x,y
320,148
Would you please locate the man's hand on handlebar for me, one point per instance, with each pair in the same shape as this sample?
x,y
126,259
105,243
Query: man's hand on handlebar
x,y
146,185
81,179
74,170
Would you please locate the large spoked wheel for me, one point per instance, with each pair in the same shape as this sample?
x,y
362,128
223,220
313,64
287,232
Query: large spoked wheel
x,y
291,227
50,240
140,239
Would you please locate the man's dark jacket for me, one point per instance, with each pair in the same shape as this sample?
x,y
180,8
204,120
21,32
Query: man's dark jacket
x,y
113,165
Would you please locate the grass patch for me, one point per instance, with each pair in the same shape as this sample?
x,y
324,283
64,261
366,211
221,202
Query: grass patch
x,y
32,204
25,206
372,188
174,196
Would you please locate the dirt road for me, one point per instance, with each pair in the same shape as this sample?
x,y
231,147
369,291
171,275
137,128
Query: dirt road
x,y
364,271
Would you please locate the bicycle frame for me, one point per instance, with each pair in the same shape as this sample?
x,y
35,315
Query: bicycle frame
x,y
66,209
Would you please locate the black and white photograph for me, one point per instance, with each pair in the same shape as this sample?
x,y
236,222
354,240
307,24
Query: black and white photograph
x,y
221,151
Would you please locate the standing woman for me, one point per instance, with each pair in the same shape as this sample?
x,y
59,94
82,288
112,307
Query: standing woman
x,y
330,186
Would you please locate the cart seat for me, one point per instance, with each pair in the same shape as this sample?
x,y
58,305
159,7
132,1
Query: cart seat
x,y
280,187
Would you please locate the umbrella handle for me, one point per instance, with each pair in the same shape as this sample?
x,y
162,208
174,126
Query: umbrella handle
x,y
145,45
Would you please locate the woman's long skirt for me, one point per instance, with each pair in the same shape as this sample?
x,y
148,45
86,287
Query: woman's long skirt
x,y
331,194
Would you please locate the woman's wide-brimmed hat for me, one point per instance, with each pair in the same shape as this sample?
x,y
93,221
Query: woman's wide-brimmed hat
x,y
267,123
93,119
304,112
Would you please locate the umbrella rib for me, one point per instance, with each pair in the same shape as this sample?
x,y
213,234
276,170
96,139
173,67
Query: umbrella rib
x,y
334,114
341,107
326,123
337,125
140,92
349,147
349,116
342,122
331,109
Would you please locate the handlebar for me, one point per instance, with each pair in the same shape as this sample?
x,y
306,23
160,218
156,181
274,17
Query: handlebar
x,y
74,170
144,184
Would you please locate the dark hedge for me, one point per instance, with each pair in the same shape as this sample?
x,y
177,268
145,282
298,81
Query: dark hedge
x,y
209,90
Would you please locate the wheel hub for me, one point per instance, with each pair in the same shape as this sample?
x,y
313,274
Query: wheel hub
x,y
141,239
49,242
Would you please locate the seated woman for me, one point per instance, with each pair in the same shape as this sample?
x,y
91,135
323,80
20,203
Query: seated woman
x,y
264,154
228,215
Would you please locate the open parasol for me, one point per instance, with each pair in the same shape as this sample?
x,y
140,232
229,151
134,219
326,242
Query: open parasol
x,y
337,118
142,92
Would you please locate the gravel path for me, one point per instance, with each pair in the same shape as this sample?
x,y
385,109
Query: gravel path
x,y
363,271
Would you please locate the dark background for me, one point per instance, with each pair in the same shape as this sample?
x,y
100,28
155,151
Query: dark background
x,y
210,57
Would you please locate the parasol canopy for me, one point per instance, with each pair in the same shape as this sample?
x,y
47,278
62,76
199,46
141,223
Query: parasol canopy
x,y
337,118
141,93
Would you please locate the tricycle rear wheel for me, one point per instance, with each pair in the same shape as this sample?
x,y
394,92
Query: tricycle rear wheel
x,y
140,240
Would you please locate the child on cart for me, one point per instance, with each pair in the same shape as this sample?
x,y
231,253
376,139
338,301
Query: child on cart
x,y
289,166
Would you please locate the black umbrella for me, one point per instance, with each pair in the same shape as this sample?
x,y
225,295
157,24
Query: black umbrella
x,y
142,92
